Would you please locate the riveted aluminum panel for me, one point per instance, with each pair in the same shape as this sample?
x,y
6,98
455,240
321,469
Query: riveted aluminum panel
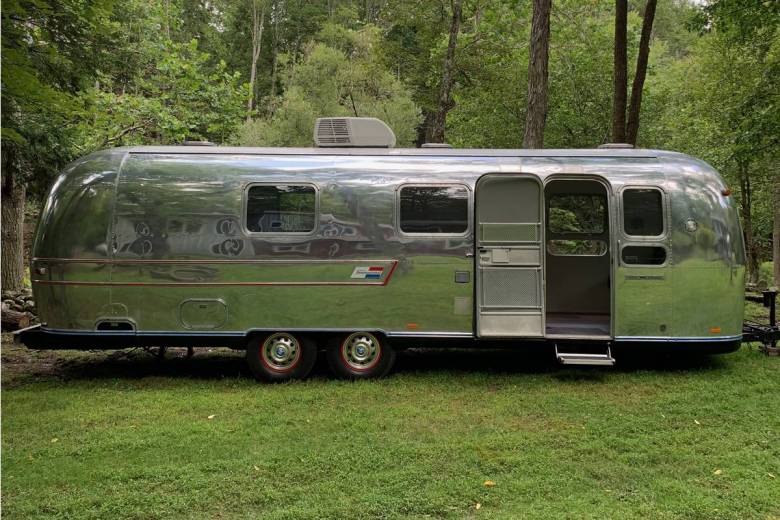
x,y
515,325
186,203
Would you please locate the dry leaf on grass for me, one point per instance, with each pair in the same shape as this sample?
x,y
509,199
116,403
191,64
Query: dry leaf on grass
x,y
55,439
489,483
210,416
717,472
697,422
478,506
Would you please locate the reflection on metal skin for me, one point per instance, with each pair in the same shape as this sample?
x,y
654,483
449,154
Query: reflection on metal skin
x,y
141,230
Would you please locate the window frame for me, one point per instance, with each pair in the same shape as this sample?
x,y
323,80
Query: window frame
x,y
602,240
245,208
664,214
625,264
469,209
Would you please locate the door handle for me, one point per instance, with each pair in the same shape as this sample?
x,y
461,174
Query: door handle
x,y
469,254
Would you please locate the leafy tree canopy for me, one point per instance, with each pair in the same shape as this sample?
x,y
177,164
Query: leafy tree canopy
x,y
338,76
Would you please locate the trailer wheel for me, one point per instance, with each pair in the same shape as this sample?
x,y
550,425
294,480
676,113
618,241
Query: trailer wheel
x,y
360,355
281,356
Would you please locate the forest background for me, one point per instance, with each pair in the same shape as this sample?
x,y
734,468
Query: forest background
x,y
80,75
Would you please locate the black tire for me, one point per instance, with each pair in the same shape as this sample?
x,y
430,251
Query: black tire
x,y
265,366
345,362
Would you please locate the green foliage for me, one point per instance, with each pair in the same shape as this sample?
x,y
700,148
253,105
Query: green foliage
x,y
49,48
577,214
181,99
766,274
721,102
78,76
338,76
493,56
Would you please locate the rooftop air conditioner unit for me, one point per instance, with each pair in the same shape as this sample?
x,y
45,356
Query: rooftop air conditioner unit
x,y
354,132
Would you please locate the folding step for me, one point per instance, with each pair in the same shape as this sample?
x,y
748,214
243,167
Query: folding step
x,y
582,358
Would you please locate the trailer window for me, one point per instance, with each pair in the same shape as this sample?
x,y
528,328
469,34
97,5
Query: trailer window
x,y
434,209
644,255
580,214
280,209
643,213
576,247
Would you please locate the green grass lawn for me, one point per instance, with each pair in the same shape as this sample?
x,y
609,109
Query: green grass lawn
x,y
88,435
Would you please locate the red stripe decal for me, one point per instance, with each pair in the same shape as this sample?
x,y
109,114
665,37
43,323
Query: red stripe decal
x,y
382,283
390,274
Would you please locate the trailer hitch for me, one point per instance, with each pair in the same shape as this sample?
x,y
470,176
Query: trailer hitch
x,y
767,335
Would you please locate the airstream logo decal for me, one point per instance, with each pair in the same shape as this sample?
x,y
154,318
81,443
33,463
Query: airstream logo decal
x,y
373,272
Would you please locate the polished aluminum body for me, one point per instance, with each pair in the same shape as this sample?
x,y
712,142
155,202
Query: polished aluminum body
x,y
155,237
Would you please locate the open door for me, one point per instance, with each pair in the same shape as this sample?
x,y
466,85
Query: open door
x,y
509,288
578,262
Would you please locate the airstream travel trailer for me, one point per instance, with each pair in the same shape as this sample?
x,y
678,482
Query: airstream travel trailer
x,y
354,248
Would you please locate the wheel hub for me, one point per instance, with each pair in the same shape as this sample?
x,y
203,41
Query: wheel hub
x,y
361,351
280,351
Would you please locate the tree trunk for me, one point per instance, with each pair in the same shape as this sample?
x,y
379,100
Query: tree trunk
x,y
273,74
12,249
620,73
776,231
641,71
258,22
445,94
538,58
746,201
275,15
14,320
425,128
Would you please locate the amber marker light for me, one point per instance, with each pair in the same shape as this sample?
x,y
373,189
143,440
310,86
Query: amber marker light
x,y
412,326
714,330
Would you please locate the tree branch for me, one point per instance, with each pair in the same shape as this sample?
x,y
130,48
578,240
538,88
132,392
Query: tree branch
x,y
124,132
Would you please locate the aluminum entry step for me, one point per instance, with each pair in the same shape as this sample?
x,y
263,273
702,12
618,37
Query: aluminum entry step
x,y
581,358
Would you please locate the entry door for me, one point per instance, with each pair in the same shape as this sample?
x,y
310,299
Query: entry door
x,y
509,256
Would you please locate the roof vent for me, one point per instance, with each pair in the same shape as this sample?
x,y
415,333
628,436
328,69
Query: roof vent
x,y
198,143
436,145
615,146
353,132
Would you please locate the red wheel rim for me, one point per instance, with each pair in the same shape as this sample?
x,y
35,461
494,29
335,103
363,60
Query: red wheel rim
x,y
280,352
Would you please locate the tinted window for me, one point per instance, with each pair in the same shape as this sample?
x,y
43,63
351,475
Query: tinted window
x,y
280,209
643,212
644,255
584,214
440,209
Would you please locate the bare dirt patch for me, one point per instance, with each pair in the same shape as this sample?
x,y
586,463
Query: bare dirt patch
x,y
21,365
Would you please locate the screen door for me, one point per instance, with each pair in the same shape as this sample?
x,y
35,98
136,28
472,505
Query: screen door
x,y
509,257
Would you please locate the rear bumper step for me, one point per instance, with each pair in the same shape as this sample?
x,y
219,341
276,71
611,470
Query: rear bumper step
x,y
582,358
